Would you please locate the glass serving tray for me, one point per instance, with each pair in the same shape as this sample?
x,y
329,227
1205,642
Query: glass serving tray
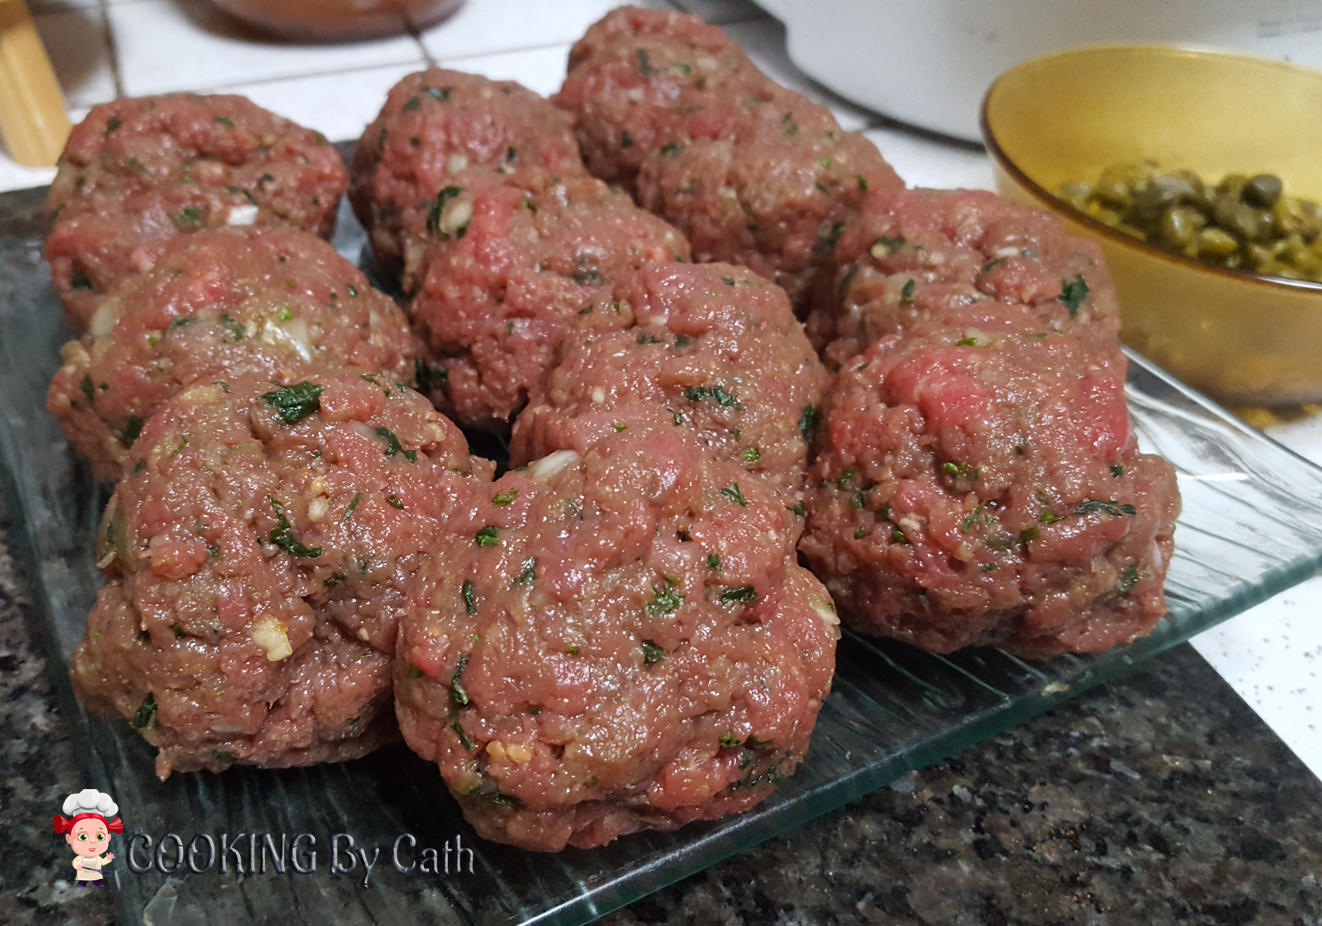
x,y
1249,529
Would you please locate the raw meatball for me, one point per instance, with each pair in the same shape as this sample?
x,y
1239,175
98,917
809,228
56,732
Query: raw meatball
x,y
640,79
988,494
774,196
258,552
751,172
276,301
956,257
139,172
537,257
715,352
619,639
441,129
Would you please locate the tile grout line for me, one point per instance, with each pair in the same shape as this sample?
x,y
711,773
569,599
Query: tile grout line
x,y
230,84
111,48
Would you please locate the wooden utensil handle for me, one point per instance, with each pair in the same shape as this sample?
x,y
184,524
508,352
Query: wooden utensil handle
x,y
33,121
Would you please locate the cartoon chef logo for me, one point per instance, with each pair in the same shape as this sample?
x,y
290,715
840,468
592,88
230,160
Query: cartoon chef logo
x,y
88,822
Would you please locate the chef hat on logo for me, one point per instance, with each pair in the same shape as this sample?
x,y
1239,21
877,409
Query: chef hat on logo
x,y
90,800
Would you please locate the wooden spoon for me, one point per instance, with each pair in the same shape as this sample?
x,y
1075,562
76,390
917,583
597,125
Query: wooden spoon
x,y
32,117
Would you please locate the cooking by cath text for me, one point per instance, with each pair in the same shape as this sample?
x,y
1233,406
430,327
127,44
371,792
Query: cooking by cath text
x,y
248,854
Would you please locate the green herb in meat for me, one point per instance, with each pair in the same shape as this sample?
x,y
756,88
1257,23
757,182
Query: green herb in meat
x,y
294,403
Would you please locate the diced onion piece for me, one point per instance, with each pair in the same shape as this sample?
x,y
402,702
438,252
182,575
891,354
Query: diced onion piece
x,y
245,214
269,634
551,464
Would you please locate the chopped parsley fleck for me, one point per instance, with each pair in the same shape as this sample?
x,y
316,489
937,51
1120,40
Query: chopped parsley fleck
x,y
79,280
132,428
617,427
899,536
847,476
906,294
960,470
732,492
665,598
393,446
412,104
652,653
1128,578
235,328
862,181
884,244
504,498
225,121
729,741
1109,506
808,422
457,692
715,393
486,537
967,342
682,340
670,150
714,561
861,533
528,573
146,711
1117,469
348,512
466,591
441,94
742,593
626,140
495,797
464,741
751,454
113,124
644,63
296,402
394,501
796,509
1072,294
511,153
437,207
282,535
188,217
86,386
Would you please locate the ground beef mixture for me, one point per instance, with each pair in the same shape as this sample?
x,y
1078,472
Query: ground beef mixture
x,y
763,178
641,79
139,172
617,639
715,353
957,257
988,491
258,553
275,301
531,257
440,130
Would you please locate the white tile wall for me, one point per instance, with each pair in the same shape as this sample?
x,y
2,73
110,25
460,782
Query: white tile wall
x,y
75,38
166,45
484,26
100,47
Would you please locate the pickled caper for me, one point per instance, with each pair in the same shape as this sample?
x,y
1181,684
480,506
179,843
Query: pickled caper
x,y
1243,222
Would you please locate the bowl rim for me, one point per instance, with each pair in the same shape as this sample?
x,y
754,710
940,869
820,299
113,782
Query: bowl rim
x,y
1099,228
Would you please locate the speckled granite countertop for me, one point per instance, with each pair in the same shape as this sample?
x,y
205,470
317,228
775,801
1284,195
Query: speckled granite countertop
x,y
1162,799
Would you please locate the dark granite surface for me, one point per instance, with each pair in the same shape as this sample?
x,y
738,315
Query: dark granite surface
x,y
1162,799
